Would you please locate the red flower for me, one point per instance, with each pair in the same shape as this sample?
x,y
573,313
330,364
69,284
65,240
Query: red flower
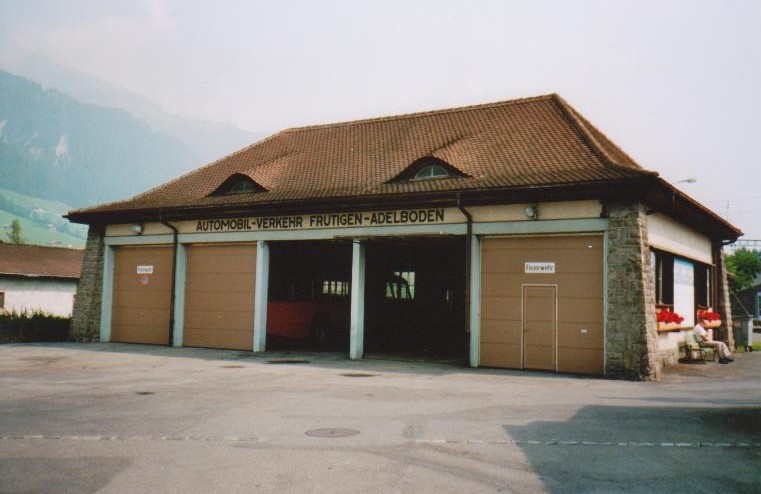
x,y
666,316
708,315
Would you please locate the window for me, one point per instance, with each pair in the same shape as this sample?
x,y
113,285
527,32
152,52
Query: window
x,y
401,286
430,172
238,183
242,187
682,284
664,277
428,168
336,288
2,300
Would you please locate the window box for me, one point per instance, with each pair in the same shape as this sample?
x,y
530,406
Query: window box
x,y
664,327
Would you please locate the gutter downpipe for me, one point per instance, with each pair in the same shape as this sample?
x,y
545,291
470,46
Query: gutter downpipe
x,y
174,273
468,249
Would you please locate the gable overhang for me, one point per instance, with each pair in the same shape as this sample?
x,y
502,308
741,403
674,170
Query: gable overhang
x,y
633,189
662,197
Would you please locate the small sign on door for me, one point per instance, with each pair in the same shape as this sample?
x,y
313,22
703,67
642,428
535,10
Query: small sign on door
x,y
145,269
539,267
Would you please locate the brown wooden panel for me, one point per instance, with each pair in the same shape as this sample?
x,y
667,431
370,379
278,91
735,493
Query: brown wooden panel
x,y
501,308
581,360
579,277
582,310
206,260
126,299
219,320
220,282
140,311
221,301
228,340
219,296
501,355
571,335
504,332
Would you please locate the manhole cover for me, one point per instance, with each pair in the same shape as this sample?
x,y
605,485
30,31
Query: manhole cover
x,y
143,393
288,361
358,374
332,432
231,366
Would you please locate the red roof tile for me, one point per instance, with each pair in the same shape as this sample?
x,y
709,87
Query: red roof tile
x,y
536,141
39,261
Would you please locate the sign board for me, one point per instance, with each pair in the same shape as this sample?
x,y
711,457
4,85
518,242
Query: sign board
x,y
324,220
145,269
539,267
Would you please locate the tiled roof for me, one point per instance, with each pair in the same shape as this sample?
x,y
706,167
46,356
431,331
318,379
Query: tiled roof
x,y
536,141
39,261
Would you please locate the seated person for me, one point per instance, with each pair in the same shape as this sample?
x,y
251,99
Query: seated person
x,y
701,335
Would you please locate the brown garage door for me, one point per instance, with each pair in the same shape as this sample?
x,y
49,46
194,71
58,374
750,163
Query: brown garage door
x,y
219,296
142,287
516,307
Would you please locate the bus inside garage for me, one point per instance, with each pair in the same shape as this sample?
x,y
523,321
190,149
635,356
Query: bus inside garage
x,y
414,299
309,296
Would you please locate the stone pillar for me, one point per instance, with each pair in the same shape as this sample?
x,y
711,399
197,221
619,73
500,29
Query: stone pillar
x,y
85,321
631,341
722,304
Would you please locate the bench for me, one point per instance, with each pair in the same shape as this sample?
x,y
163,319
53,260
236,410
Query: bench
x,y
693,348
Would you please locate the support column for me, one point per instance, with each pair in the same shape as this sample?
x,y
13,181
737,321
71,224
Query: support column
x,y
475,302
357,331
107,294
179,294
631,338
261,295
723,305
85,320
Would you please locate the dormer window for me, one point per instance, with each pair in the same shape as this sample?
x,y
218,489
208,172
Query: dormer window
x,y
428,168
238,184
429,172
241,187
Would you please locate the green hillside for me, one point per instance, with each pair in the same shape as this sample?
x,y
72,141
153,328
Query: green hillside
x,y
42,221
55,147
34,233
35,202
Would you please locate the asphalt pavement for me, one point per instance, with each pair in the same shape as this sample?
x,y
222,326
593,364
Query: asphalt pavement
x,y
118,418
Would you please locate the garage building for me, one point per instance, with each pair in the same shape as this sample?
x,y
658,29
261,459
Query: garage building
x,y
512,235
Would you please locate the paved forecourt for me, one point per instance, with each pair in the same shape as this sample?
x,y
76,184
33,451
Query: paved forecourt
x,y
134,418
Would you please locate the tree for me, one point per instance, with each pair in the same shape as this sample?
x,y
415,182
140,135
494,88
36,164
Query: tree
x,y
745,265
15,236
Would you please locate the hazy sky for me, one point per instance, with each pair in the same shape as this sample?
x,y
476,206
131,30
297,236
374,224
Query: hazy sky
x,y
677,84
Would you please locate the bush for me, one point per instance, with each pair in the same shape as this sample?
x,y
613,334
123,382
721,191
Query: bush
x,y
23,327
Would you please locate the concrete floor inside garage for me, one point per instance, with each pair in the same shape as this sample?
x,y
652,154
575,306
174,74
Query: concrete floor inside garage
x,y
121,418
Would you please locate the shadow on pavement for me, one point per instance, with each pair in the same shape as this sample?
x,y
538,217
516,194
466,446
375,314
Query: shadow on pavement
x,y
646,449
393,363
59,475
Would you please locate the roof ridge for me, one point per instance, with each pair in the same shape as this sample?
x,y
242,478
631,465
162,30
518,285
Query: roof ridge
x,y
402,116
590,140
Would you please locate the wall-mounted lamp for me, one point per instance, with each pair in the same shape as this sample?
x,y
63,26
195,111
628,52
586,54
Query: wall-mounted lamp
x,y
137,228
532,211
